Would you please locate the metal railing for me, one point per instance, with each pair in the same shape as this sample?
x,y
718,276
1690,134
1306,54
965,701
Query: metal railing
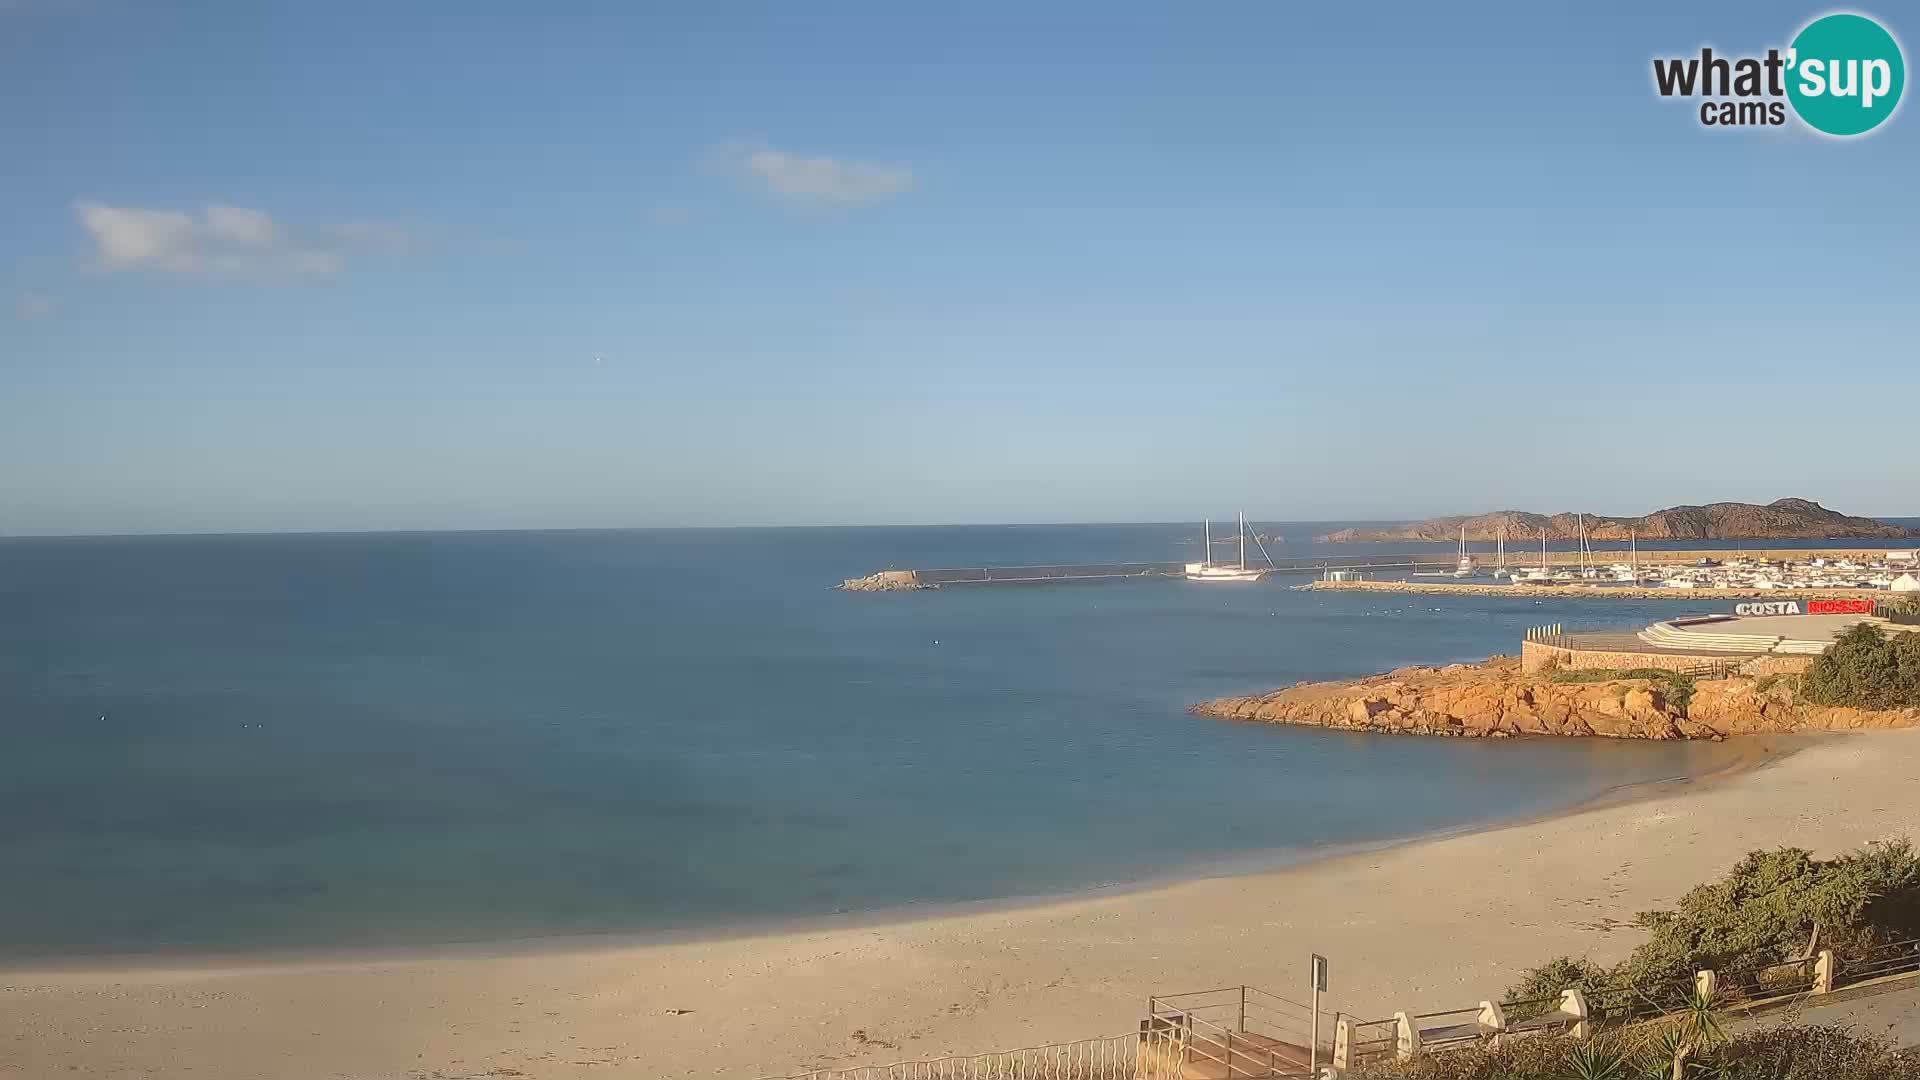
x,y
1373,1039
1231,1032
1762,982
1893,958
1249,1009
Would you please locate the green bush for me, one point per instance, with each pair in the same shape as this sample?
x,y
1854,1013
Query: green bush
x,y
1766,910
1550,978
1867,669
1677,685
1903,608
1814,1053
1784,1053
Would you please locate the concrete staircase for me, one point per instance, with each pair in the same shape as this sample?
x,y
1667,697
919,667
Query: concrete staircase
x,y
1668,636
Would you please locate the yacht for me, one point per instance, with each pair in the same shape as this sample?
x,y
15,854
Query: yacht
x,y
1206,570
1464,568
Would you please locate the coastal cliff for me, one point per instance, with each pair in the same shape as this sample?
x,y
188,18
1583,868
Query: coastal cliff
x,y
1782,519
1496,699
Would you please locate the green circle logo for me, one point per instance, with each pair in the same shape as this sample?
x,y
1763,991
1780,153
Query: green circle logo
x,y
1845,74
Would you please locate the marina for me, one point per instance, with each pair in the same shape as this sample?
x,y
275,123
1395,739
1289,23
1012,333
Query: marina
x,y
1578,572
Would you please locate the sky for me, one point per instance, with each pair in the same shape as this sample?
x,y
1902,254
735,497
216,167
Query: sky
x,y
274,266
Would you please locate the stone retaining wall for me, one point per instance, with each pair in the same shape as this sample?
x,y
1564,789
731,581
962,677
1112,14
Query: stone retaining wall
x,y
1535,655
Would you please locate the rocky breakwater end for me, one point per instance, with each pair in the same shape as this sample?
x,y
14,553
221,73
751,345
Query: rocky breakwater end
x,y
885,581
1496,699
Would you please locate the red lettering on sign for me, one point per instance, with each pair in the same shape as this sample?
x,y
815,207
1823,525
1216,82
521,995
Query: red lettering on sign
x,y
1839,607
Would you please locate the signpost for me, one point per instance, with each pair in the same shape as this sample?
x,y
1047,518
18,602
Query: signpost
x,y
1313,1039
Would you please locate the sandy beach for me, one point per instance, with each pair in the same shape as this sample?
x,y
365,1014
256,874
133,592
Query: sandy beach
x,y
1432,924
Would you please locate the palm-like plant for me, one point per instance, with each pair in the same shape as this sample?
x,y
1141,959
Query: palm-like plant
x,y
1599,1059
1675,1040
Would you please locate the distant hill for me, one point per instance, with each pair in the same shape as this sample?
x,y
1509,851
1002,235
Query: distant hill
x,y
1783,519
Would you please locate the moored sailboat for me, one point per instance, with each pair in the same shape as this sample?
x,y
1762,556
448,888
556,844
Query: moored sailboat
x,y
1207,570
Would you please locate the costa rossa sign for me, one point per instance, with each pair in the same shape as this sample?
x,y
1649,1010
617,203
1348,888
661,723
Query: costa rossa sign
x,y
1839,607
1814,607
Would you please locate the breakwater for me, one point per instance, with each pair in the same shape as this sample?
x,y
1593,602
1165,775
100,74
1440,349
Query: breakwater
x,y
1436,562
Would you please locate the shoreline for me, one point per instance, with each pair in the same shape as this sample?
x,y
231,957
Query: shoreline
x,y
1426,921
1745,758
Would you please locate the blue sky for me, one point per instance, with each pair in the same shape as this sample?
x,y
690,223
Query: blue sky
x,y
275,266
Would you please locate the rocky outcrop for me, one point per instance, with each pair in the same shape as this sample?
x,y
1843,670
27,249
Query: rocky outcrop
x,y
1497,700
1782,519
885,581
1763,706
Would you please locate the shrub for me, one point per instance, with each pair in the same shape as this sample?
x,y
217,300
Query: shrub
x,y
1867,669
1677,685
1814,1053
1770,906
1520,1059
1550,978
1783,1053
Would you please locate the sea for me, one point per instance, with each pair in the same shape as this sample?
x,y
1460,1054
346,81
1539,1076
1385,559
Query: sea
x,y
262,743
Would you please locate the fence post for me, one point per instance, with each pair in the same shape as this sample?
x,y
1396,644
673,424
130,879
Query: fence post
x,y
1243,1008
1823,967
1343,1045
1574,1004
1493,1021
1407,1045
1706,984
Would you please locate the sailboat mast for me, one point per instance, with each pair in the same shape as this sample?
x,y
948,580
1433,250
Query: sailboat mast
x,y
1243,539
1633,538
1206,532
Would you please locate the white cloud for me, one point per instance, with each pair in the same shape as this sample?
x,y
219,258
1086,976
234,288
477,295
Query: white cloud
x,y
242,227
34,305
231,241
799,178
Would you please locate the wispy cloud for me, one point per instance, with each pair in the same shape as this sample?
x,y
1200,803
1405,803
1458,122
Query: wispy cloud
x,y
34,305
800,178
232,241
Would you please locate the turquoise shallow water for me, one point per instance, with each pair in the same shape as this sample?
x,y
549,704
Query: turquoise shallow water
x,y
268,742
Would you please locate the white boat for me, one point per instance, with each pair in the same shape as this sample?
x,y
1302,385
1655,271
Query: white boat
x,y
1464,568
1540,575
1206,570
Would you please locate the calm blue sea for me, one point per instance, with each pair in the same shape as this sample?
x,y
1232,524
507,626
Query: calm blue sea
x,y
267,742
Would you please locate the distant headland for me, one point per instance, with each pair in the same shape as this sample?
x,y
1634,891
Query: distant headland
x,y
1782,519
